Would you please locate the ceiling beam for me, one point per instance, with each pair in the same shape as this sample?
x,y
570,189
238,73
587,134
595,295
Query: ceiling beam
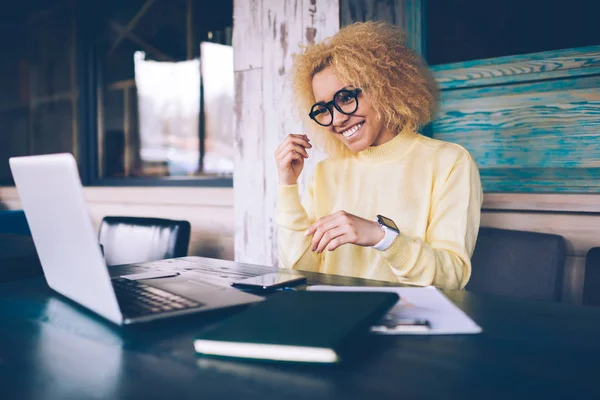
x,y
136,39
131,25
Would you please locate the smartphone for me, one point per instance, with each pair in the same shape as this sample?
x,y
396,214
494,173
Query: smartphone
x,y
270,281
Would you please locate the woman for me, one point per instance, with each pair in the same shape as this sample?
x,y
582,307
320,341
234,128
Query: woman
x,y
388,203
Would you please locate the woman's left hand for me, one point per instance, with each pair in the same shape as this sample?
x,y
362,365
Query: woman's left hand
x,y
340,228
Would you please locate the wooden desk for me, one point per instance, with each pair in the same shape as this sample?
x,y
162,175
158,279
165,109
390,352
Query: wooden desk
x,y
52,349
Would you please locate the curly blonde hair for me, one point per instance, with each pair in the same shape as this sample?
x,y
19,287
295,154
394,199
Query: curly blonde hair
x,y
374,57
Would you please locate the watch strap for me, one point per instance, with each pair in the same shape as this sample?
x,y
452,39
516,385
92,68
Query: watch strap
x,y
388,238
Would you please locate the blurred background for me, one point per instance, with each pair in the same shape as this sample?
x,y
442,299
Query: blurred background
x,y
134,88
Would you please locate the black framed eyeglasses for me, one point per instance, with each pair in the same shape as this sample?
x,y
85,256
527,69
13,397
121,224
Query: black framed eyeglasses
x,y
345,101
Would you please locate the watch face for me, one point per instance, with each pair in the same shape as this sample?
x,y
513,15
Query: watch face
x,y
387,222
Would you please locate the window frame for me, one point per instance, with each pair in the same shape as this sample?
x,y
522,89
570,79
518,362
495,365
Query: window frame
x,y
89,64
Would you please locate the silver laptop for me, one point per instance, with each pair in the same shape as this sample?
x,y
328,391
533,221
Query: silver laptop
x,y
52,197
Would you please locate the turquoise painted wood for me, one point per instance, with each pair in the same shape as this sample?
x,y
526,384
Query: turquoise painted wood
x,y
506,70
531,124
541,180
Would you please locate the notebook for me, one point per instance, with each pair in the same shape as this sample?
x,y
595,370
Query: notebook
x,y
427,303
297,326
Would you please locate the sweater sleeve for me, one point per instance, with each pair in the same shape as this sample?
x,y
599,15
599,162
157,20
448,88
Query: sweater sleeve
x,y
292,220
443,259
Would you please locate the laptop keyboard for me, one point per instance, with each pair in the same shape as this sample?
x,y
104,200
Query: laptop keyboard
x,y
137,299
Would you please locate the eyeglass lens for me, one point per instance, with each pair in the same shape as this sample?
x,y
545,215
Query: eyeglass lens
x,y
344,101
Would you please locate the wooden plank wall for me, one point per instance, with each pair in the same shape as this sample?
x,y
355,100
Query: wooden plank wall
x,y
531,122
266,33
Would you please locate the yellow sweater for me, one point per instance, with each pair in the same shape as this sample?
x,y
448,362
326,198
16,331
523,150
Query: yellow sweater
x,y
429,188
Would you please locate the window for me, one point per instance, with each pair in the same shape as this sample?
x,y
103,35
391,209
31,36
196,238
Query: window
x,y
465,30
140,91
165,91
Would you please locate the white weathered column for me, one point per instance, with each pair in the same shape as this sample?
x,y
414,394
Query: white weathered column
x,y
265,35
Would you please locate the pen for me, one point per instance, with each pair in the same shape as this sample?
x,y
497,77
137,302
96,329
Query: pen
x,y
399,325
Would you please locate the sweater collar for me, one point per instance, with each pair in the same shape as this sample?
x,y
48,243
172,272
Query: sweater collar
x,y
394,149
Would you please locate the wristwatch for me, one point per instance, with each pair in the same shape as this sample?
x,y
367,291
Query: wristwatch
x,y
390,230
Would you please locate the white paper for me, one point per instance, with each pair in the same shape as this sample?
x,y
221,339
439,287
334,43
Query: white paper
x,y
428,303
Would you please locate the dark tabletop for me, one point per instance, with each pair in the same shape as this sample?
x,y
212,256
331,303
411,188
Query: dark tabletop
x,y
51,348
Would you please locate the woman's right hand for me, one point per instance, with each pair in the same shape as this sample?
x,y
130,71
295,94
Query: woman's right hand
x,y
290,155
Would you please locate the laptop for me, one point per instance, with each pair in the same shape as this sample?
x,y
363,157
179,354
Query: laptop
x,y
65,239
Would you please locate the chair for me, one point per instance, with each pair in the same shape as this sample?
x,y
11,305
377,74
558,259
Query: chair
x,y
591,282
518,264
133,239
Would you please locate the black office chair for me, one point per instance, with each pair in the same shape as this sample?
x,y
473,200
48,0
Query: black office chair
x,y
518,264
591,282
128,240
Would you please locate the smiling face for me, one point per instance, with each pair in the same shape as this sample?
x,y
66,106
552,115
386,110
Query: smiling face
x,y
357,131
